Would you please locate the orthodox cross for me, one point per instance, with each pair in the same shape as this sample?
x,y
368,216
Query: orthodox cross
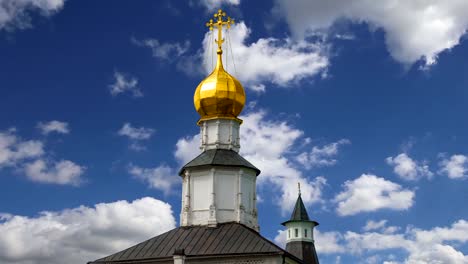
x,y
219,25
299,187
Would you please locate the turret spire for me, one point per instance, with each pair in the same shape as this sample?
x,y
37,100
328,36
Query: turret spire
x,y
300,233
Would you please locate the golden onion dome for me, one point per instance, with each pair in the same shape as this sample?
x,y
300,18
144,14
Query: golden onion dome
x,y
219,95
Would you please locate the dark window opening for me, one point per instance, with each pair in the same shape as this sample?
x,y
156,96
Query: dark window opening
x,y
305,232
296,231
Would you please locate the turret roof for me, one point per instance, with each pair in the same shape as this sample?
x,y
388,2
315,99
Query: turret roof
x,y
300,213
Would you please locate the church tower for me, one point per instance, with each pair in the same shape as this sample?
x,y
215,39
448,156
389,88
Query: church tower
x,y
218,219
219,184
300,233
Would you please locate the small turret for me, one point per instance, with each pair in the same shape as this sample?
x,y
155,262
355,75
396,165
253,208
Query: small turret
x,y
300,233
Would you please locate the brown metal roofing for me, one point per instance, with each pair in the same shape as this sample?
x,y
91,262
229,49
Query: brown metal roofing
x,y
225,239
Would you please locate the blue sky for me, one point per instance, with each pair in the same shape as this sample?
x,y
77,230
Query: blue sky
x,y
363,103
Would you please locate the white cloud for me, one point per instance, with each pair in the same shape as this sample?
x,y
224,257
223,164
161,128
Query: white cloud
x,y
267,60
162,177
165,51
81,234
53,126
211,4
407,168
372,241
187,148
29,157
135,133
373,225
413,29
63,172
380,225
257,133
370,193
458,232
125,83
259,88
435,254
456,167
321,156
14,150
15,14
328,242
422,246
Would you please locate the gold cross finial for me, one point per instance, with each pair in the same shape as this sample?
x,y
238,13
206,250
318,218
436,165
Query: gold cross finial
x,y
219,25
299,187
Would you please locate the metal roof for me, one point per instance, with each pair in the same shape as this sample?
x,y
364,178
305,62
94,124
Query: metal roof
x,y
224,240
300,213
219,157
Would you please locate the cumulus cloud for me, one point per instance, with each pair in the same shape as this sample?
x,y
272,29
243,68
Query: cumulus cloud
x,y
187,148
164,51
63,172
53,126
370,193
124,83
274,160
81,234
162,177
374,225
422,246
413,29
456,167
212,4
136,134
14,150
16,14
267,60
380,225
30,158
407,168
321,156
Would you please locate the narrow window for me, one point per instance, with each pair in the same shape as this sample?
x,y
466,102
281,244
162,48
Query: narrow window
x,y
296,231
305,232
289,233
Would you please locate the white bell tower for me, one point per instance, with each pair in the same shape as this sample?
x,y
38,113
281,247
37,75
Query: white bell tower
x,y
219,185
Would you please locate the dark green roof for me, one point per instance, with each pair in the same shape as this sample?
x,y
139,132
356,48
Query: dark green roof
x,y
219,157
300,213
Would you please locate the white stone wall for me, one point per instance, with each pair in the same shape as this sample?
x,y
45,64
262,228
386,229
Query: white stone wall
x,y
219,195
301,228
240,260
220,134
